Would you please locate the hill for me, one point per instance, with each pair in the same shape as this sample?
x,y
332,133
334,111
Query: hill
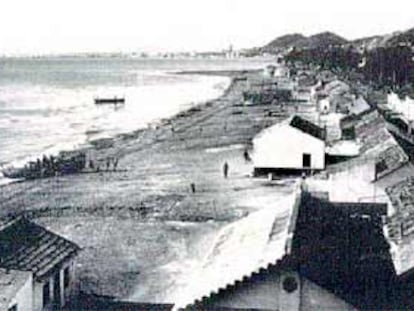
x,y
325,39
296,40
285,42
387,40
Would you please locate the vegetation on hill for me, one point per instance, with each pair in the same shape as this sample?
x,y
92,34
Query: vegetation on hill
x,y
391,67
300,41
285,42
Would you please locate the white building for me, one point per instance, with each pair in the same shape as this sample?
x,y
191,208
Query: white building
x,y
324,105
289,147
16,288
282,72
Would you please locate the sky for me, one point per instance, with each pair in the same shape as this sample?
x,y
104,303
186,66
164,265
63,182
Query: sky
x,y
67,26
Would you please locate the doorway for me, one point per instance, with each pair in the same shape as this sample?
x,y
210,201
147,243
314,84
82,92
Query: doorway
x,y
56,290
306,160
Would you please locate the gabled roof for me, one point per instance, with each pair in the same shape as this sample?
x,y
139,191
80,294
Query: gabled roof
x,y
26,246
308,127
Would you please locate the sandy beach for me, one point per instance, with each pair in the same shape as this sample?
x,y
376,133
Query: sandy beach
x,y
142,226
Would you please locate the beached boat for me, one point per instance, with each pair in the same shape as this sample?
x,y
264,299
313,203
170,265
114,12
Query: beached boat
x,y
109,101
65,163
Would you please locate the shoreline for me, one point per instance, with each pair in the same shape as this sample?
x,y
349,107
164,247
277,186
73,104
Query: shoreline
x,y
97,144
219,73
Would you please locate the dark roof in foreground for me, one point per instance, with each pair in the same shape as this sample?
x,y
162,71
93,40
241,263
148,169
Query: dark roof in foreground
x,y
26,246
339,246
308,127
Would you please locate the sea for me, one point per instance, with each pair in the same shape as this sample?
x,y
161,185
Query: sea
x,y
47,104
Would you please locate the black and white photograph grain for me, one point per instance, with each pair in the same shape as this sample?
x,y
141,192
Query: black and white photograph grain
x,y
181,155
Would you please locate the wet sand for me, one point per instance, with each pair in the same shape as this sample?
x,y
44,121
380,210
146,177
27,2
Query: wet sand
x,y
141,226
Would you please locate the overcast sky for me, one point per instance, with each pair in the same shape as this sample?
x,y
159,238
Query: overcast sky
x,y
54,26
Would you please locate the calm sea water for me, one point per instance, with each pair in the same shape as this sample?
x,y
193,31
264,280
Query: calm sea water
x,y
47,105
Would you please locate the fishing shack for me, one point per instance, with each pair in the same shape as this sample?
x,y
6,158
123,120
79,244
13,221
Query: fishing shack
x,y
289,147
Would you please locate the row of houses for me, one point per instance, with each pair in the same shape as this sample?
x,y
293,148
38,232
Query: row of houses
x,y
338,254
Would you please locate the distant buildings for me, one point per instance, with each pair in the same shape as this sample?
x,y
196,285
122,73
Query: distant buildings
x,y
269,71
37,267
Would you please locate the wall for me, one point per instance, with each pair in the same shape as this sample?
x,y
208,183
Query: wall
x,y
282,146
315,298
24,297
270,294
69,292
37,296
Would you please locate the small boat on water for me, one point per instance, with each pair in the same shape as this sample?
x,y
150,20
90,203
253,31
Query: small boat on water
x,y
110,101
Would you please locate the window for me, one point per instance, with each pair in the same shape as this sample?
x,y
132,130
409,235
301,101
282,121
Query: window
x,y
66,277
46,294
306,160
348,133
12,308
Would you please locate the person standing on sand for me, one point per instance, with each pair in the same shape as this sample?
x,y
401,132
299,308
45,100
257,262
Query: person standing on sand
x,y
91,165
115,163
246,155
225,169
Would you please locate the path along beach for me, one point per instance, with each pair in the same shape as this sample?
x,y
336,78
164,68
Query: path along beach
x,y
141,228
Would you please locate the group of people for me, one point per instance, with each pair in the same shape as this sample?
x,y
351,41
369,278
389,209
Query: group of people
x,y
110,161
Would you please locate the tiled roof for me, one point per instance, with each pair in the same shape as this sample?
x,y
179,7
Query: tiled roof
x,y
308,127
259,241
287,262
11,281
27,246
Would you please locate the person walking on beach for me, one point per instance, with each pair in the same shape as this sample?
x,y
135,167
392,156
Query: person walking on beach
x,y
115,163
225,169
246,155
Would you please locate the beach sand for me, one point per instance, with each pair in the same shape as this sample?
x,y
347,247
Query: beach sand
x,y
141,226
